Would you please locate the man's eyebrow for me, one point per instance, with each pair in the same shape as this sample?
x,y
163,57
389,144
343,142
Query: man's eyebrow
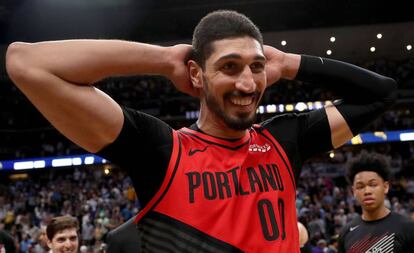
x,y
369,181
229,56
237,56
259,58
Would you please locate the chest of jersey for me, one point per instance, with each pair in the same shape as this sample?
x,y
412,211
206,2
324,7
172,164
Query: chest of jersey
x,y
386,235
241,192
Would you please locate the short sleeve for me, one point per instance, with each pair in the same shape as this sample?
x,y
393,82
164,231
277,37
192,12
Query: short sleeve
x,y
143,149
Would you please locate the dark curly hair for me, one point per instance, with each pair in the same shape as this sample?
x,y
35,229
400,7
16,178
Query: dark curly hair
x,y
218,25
369,162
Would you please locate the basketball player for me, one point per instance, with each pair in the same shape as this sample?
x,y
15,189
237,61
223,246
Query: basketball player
x,y
223,184
378,229
7,244
123,239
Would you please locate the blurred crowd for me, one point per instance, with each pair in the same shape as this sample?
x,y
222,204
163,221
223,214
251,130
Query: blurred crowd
x,y
100,202
25,133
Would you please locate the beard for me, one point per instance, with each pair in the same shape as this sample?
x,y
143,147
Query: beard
x,y
240,121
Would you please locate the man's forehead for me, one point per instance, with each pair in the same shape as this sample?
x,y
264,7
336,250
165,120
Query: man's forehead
x,y
366,176
237,48
66,233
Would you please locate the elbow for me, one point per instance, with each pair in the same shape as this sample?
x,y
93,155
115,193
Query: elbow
x,y
16,61
391,95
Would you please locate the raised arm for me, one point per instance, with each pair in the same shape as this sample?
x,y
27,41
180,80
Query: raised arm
x,y
57,77
366,95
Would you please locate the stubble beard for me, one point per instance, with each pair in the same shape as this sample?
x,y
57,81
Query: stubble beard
x,y
241,121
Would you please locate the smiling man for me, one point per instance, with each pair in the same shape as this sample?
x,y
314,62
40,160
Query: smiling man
x,y
377,229
223,184
62,234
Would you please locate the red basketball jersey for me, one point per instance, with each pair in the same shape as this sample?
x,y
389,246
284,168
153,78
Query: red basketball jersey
x,y
239,192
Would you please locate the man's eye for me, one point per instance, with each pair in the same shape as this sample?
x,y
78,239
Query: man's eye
x,y
257,67
229,66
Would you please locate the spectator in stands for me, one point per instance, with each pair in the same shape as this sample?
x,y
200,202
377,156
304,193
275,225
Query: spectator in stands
x,y
229,70
63,234
333,244
41,243
321,246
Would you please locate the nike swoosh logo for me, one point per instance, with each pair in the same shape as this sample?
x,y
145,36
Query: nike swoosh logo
x,y
193,151
353,228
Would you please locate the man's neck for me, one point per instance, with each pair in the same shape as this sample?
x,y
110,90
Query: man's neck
x,y
216,131
209,124
376,214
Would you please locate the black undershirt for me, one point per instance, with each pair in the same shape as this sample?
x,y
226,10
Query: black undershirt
x,y
144,146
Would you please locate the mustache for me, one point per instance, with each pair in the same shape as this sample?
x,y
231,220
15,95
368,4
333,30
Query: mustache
x,y
238,93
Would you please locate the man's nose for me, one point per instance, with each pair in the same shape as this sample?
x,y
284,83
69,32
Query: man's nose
x,y
245,82
68,243
367,190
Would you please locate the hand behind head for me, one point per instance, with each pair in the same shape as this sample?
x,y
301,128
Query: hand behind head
x,y
179,56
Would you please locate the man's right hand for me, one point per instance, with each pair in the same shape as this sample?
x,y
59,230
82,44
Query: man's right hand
x,y
179,73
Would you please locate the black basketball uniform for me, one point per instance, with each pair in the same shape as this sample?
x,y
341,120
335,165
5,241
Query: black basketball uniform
x,y
392,234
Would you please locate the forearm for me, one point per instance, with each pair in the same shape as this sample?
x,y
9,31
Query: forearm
x,y
348,81
366,95
291,63
87,61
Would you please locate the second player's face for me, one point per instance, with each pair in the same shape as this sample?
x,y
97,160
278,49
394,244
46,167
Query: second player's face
x,y
234,80
370,190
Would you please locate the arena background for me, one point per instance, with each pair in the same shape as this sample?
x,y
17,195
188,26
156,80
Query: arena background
x,y
42,174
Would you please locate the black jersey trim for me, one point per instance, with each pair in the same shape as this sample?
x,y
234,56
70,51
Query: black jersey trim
x,y
148,208
289,168
215,143
159,232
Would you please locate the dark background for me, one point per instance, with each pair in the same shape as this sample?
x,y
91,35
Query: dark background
x,y
173,20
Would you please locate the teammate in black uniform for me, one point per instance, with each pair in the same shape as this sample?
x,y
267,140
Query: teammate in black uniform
x,y
378,229
221,185
123,239
7,244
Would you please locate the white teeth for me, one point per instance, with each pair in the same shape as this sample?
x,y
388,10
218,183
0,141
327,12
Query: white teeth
x,y
242,101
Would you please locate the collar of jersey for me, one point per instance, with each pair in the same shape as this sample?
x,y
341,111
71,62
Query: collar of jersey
x,y
232,143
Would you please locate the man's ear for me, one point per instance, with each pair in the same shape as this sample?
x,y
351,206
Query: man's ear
x,y
49,243
386,187
195,74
